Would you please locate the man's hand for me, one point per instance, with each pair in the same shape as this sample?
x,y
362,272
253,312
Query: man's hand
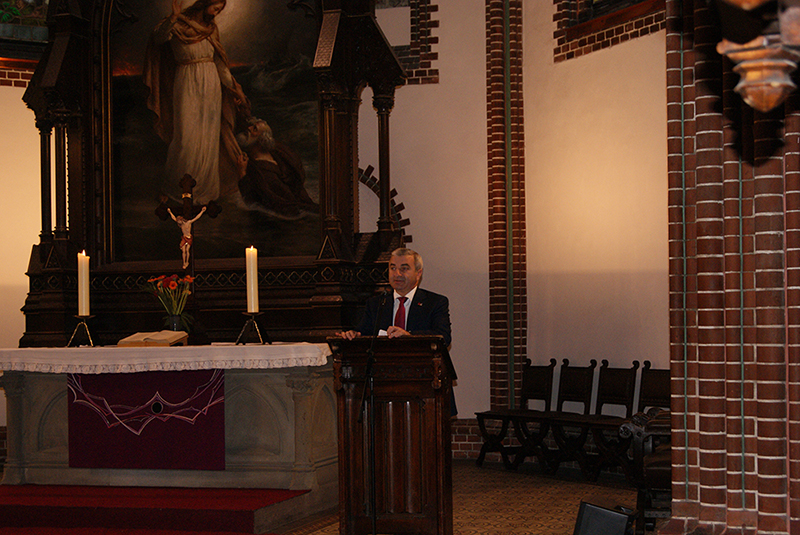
x,y
241,164
176,9
348,335
396,332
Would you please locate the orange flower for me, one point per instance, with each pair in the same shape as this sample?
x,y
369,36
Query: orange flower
x,y
171,291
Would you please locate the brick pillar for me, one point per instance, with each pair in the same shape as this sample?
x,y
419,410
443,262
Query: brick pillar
x,y
507,284
792,221
682,245
734,213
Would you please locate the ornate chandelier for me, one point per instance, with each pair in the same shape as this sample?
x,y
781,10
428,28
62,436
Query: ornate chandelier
x,y
762,37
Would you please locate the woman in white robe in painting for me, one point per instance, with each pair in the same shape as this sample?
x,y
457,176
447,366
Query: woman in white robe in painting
x,y
195,97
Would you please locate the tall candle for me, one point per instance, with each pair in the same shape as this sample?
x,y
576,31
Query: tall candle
x,y
83,284
251,257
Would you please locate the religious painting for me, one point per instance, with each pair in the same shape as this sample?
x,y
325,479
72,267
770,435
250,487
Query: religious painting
x,y
23,22
26,13
214,101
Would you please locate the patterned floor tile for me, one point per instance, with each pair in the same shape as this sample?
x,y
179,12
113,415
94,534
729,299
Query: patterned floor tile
x,y
491,500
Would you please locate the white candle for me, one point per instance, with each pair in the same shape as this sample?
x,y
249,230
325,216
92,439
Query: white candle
x,y
251,256
83,284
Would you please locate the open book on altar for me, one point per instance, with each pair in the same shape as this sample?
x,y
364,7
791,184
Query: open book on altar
x,y
159,338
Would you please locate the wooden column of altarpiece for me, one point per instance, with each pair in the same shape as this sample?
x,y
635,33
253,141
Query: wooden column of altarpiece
x,y
413,462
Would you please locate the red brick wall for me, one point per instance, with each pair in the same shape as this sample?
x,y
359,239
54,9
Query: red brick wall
x,y
16,73
419,56
467,440
504,317
575,40
734,201
507,284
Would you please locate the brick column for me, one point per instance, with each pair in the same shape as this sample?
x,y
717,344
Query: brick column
x,y
683,268
734,284
792,221
507,284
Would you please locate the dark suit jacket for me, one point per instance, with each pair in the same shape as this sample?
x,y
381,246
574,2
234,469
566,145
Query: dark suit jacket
x,y
429,314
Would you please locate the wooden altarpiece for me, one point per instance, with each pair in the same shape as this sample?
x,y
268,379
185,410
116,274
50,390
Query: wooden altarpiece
x,y
303,297
395,460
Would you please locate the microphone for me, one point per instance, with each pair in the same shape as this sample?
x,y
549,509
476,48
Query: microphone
x,y
384,296
371,353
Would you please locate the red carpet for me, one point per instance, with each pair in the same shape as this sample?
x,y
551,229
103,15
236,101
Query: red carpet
x,y
107,531
47,510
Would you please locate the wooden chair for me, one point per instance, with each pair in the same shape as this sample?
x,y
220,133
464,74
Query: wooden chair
x,y
617,387
654,388
575,385
533,425
537,386
570,429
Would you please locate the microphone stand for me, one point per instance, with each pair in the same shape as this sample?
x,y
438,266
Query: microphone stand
x,y
368,385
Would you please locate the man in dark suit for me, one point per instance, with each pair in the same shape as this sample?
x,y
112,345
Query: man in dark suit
x,y
411,310
422,312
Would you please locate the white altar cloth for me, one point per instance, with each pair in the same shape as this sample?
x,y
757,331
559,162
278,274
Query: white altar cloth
x,y
112,359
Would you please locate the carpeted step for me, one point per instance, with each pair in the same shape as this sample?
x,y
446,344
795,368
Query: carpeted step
x,y
107,531
178,509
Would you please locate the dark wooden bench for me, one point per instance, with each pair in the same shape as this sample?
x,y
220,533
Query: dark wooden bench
x,y
537,386
571,424
615,386
533,426
574,387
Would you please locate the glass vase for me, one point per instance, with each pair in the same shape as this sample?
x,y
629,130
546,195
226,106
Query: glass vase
x,y
174,322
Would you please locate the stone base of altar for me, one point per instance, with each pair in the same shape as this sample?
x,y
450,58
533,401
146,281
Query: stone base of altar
x,y
280,432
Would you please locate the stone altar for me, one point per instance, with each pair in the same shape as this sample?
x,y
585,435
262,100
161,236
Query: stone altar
x,y
280,416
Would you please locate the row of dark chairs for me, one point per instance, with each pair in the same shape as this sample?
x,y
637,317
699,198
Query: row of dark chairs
x,y
561,434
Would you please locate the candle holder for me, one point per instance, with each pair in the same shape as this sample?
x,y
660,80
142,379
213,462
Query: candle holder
x,y
81,323
249,326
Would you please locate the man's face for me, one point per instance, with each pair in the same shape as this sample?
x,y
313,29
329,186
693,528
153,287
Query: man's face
x,y
403,275
255,130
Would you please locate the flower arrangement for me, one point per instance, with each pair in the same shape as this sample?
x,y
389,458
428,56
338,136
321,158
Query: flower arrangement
x,y
172,291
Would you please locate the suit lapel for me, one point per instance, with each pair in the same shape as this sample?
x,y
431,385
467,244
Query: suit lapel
x,y
415,310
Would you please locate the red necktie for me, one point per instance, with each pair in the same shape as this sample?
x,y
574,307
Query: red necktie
x,y
400,316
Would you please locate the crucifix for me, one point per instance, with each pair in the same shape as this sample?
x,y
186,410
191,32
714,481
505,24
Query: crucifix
x,y
188,214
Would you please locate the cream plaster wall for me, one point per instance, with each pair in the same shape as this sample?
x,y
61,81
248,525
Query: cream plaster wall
x,y
438,167
596,155
595,131
20,220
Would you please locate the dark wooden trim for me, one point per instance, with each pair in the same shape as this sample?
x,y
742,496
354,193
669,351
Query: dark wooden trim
x,y
616,18
18,64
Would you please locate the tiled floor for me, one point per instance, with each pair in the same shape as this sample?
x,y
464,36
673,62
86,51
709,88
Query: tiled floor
x,y
491,500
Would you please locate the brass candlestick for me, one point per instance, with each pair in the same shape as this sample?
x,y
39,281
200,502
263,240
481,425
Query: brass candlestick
x,y
251,325
81,323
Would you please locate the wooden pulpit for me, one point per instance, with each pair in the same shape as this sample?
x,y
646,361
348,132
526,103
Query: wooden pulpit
x,y
411,411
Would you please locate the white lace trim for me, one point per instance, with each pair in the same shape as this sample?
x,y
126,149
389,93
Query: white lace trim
x,y
147,359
